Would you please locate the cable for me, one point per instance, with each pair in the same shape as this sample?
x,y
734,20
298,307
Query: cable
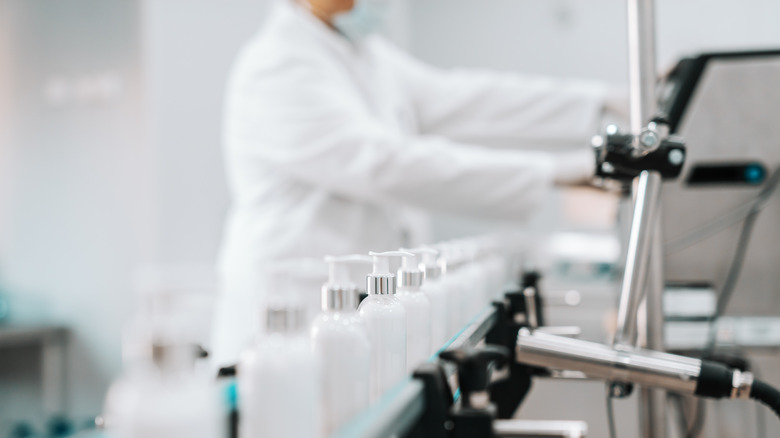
x,y
731,280
698,423
767,395
610,412
676,401
683,424
760,413
739,258
725,220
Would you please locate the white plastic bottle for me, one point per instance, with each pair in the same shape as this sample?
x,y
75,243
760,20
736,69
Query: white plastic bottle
x,y
385,320
278,378
475,281
452,284
432,287
418,310
161,393
341,342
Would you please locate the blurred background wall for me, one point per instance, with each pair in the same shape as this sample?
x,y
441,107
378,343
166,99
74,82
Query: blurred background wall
x,y
110,114
78,211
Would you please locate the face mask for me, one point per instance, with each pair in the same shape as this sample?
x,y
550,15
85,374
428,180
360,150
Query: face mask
x,y
366,18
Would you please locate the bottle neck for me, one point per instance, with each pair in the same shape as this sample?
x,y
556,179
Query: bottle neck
x,y
285,320
171,358
381,284
411,279
339,299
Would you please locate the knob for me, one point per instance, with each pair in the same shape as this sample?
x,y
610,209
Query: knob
x,y
474,366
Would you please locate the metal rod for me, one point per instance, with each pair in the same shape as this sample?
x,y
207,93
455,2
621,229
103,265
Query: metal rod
x,y
530,305
653,401
642,79
641,58
540,429
637,257
599,361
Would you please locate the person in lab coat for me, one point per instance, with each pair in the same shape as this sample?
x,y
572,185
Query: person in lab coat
x,y
335,140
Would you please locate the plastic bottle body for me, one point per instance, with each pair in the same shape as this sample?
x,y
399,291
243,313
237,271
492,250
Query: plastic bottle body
x,y
418,326
478,292
342,345
495,266
279,388
150,405
439,309
385,320
455,292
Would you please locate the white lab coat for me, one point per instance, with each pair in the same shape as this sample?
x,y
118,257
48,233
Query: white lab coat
x,y
333,147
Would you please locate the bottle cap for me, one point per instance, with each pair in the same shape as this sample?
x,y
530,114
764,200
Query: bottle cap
x,y
431,265
410,273
341,291
381,281
285,316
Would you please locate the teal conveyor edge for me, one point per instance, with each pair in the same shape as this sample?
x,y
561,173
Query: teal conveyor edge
x,y
399,410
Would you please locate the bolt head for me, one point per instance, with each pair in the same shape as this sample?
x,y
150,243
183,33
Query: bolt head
x,y
607,168
649,139
676,157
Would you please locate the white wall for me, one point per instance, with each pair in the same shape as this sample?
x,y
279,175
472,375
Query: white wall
x,y
189,46
5,118
80,213
580,38
101,189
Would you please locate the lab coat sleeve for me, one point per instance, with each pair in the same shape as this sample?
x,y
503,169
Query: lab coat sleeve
x,y
500,109
308,126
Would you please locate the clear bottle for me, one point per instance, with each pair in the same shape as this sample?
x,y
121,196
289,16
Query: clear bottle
x,y
385,320
342,345
432,287
161,393
418,310
279,378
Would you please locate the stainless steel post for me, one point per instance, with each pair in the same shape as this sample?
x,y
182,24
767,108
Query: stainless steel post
x,y
641,59
642,79
653,401
638,255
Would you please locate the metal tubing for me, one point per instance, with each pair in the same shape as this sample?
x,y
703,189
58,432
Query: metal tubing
x,y
598,361
637,257
653,415
642,79
540,429
641,58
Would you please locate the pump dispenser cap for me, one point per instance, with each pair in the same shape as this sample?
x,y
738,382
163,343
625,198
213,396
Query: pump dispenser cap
x,y
410,273
285,317
381,281
341,291
430,264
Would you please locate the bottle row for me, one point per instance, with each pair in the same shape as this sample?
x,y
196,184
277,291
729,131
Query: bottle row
x,y
302,379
